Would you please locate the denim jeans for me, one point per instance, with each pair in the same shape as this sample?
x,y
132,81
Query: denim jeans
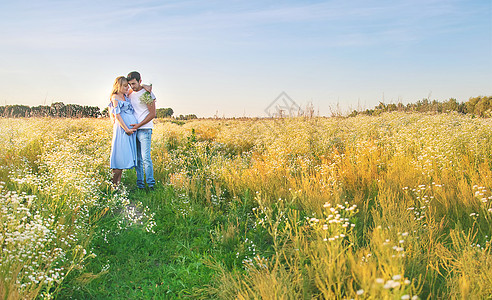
x,y
144,162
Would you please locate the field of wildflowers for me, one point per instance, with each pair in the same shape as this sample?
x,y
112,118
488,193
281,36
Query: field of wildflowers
x,y
396,206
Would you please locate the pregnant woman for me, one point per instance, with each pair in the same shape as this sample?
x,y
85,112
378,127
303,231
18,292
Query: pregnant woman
x,y
123,146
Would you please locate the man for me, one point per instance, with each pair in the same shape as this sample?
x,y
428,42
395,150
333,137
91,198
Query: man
x,y
144,113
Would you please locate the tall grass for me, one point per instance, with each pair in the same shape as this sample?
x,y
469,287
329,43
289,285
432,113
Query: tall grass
x,y
421,183
390,207
54,190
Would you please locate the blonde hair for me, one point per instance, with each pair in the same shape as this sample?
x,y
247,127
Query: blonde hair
x,y
118,84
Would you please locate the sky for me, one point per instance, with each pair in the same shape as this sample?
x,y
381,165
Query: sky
x,y
234,58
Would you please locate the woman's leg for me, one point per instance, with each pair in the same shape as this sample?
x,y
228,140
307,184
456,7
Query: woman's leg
x,y
117,176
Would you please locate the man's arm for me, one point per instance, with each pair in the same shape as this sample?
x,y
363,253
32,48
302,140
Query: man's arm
x,y
148,118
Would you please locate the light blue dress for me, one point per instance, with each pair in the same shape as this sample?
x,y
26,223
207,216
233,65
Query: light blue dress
x,y
123,146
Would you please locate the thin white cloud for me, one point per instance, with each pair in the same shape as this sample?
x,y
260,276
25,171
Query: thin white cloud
x,y
68,25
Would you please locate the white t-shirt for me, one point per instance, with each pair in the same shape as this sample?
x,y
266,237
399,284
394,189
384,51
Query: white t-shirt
x,y
141,109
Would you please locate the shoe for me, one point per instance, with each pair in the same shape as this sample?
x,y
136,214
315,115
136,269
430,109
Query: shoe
x,y
151,188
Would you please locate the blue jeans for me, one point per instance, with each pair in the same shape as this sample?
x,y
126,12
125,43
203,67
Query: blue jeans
x,y
144,162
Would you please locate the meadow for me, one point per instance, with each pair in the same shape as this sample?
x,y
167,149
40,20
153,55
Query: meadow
x,y
396,206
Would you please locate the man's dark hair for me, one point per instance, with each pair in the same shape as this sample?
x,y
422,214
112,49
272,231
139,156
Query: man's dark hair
x,y
133,75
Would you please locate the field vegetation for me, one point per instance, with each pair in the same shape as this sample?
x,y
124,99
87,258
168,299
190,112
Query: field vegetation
x,y
394,206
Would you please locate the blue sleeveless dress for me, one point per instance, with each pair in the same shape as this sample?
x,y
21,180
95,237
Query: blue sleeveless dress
x,y
123,146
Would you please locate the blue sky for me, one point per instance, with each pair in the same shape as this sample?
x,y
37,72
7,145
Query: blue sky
x,y
233,58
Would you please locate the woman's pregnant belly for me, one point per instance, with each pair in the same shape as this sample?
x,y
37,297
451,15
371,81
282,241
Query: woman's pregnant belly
x,y
129,118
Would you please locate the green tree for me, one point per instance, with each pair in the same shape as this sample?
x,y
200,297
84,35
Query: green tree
x,y
164,112
17,111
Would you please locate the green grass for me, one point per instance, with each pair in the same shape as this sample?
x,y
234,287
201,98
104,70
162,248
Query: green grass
x,y
143,265
254,223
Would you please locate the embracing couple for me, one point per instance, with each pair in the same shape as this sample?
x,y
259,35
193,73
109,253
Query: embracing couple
x,y
132,111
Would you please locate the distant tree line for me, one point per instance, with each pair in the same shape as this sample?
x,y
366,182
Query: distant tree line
x,y
186,117
479,106
61,110
168,113
57,109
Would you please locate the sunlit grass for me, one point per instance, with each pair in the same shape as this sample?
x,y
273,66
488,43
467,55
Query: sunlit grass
x,y
390,207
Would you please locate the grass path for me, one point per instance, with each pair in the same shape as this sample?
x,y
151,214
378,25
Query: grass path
x,y
143,265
